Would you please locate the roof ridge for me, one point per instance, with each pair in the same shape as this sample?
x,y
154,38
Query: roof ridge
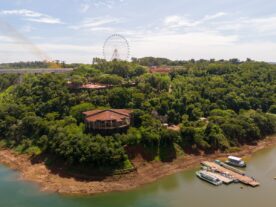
x,y
116,111
98,111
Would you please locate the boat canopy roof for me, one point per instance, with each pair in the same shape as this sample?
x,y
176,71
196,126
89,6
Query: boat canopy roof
x,y
234,158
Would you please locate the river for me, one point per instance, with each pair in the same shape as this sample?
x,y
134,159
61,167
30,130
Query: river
x,y
179,190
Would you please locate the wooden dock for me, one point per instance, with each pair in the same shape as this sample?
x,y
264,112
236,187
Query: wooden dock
x,y
236,170
242,178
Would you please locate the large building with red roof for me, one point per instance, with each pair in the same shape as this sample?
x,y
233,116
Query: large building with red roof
x,y
108,119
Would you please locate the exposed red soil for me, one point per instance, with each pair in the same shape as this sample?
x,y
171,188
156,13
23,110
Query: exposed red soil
x,y
147,172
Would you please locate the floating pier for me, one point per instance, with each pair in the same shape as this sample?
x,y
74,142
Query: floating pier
x,y
236,170
236,176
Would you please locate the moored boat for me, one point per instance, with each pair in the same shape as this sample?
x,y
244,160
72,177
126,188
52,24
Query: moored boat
x,y
204,175
235,161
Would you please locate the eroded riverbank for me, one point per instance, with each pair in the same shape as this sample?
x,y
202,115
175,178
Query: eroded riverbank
x,y
147,172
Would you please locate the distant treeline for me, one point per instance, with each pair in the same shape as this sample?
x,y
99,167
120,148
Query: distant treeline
x,y
153,61
32,64
145,61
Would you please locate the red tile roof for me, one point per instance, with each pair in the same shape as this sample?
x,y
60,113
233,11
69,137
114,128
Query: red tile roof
x,y
105,115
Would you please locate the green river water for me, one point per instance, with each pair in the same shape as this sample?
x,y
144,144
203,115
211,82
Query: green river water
x,y
180,190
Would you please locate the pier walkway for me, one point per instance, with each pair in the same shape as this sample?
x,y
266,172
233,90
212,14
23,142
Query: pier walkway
x,y
242,178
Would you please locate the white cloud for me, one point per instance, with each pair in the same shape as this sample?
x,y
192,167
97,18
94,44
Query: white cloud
x,y
69,47
26,28
97,24
202,45
177,21
214,16
11,52
32,16
174,46
180,21
106,3
264,25
177,37
195,39
181,46
5,39
45,20
84,8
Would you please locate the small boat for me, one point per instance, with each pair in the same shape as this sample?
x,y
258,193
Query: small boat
x,y
209,178
235,161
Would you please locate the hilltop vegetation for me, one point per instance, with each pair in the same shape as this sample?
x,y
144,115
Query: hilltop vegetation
x,y
219,105
34,64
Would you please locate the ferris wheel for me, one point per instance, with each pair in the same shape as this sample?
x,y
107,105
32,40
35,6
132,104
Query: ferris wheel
x,y
116,47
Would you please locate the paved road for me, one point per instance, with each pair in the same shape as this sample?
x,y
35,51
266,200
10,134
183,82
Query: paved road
x,y
36,70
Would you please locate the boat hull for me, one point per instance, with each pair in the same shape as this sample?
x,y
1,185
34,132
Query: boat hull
x,y
236,165
209,181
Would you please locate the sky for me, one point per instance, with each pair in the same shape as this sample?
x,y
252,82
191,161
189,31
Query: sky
x,y
75,30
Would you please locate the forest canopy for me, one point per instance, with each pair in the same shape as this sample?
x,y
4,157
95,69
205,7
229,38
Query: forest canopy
x,y
217,105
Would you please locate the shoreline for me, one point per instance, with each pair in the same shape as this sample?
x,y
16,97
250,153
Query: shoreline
x,y
147,172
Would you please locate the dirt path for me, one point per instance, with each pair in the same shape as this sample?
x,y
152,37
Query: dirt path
x,y
147,172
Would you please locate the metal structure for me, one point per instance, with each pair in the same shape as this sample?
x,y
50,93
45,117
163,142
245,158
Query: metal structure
x,y
116,47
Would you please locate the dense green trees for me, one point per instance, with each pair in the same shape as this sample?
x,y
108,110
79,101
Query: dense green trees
x,y
272,109
109,79
225,129
76,111
44,94
69,141
7,80
217,105
121,68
